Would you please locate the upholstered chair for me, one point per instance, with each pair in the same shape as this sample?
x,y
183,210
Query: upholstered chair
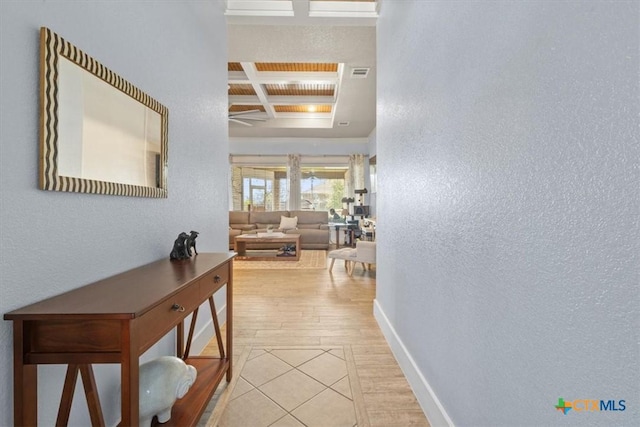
x,y
365,254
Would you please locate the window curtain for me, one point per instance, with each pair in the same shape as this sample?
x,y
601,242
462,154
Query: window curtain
x,y
236,188
294,175
356,174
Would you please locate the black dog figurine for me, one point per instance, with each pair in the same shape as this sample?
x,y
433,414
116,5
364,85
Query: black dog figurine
x,y
191,242
180,247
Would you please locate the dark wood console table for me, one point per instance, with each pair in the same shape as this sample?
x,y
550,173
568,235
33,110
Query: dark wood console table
x,y
115,320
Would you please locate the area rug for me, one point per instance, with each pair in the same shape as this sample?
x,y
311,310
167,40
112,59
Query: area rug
x,y
309,259
291,385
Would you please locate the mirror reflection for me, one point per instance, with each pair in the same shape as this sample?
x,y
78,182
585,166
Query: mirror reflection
x,y
117,139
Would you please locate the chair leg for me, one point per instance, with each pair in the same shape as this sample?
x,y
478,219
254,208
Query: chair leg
x,y
352,264
332,261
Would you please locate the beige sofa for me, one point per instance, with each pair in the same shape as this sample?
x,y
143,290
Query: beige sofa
x,y
312,226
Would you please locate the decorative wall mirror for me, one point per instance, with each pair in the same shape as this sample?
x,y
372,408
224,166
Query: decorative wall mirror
x,y
98,133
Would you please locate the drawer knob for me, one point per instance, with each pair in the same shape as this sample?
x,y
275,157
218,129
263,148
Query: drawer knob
x,y
177,307
216,278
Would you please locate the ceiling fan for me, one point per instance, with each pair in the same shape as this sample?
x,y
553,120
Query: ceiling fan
x,y
241,117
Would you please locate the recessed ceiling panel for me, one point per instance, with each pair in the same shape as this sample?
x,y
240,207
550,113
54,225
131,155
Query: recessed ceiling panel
x,y
302,108
241,89
238,108
300,89
303,10
300,67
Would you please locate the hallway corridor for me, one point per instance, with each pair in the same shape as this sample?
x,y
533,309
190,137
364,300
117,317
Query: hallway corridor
x,y
329,318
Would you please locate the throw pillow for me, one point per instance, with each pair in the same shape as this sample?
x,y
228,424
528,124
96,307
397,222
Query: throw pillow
x,y
287,223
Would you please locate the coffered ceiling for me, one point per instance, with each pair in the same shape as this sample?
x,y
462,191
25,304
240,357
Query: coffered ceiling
x,y
350,12
301,68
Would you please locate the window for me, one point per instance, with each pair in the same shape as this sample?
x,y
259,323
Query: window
x,y
322,188
259,188
260,183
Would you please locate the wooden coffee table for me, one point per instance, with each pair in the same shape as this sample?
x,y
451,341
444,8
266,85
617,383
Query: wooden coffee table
x,y
240,246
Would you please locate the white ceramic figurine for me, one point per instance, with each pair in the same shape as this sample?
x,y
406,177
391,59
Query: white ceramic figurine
x,y
162,382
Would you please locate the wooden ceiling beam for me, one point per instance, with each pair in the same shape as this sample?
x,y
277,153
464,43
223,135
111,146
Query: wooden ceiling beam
x,y
251,72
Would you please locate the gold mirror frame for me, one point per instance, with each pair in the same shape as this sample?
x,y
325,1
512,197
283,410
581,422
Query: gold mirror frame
x,y
53,49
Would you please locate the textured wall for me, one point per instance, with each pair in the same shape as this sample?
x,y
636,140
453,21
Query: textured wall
x,y
52,242
507,145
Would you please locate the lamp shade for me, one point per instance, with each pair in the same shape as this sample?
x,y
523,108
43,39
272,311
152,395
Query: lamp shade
x,y
345,212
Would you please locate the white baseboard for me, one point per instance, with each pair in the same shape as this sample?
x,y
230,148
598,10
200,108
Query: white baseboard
x,y
203,336
427,399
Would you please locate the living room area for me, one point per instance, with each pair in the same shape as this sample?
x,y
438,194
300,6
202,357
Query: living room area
x,y
326,218
301,133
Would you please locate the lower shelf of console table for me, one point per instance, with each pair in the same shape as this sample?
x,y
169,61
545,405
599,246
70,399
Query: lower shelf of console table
x,y
210,374
115,320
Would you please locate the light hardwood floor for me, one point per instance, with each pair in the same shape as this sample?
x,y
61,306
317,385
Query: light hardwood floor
x,y
315,307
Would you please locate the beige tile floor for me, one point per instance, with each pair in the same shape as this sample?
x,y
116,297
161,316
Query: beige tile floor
x,y
292,387
308,352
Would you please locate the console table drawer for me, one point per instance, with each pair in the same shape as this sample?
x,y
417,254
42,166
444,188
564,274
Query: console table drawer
x,y
214,280
159,320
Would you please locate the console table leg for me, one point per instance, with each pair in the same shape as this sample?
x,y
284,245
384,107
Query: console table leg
x,y
230,323
129,377
90,392
180,340
216,326
26,400
25,380
192,328
67,395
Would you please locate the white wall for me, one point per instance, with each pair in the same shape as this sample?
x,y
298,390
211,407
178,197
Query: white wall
x,y
508,243
52,242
